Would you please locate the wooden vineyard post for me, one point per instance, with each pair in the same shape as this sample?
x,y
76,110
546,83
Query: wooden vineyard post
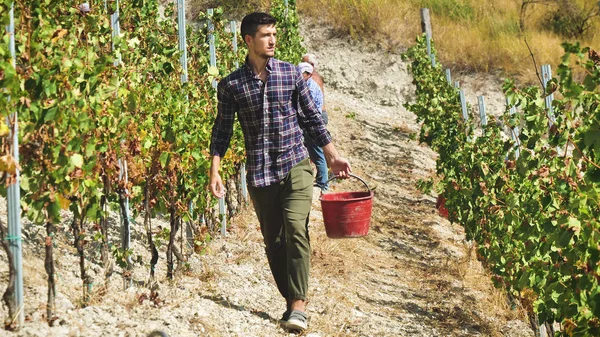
x,y
482,114
426,27
213,63
14,197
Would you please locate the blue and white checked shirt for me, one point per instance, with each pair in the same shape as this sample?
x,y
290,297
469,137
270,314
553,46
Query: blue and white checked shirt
x,y
315,93
272,116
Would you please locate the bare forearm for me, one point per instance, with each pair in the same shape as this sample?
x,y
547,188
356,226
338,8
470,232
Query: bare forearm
x,y
215,164
216,184
330,152
339,165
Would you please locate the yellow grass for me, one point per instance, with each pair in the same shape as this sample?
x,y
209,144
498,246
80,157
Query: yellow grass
x,y
235,9
469,35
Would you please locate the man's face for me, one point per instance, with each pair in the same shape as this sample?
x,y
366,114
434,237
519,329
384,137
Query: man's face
x,y
306,76
263,42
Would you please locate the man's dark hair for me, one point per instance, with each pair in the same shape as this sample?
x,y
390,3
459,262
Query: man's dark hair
x,y
251,22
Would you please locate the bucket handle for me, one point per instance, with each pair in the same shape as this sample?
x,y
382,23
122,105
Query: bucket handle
x,y
353,176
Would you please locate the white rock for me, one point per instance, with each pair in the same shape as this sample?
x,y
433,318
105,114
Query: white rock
x,y
63,303
357,313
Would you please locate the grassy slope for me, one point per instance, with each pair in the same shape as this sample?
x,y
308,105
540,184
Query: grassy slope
x,y
470,35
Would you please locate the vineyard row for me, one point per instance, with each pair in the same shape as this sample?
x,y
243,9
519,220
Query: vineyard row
x,y
106,119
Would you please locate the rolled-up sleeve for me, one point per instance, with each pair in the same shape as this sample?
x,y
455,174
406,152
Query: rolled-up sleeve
x,y
309,116
223,127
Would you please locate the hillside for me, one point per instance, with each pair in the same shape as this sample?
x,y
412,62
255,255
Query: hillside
x,y
413,275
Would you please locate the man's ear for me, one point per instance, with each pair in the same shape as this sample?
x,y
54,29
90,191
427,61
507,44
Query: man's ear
x,y
247,39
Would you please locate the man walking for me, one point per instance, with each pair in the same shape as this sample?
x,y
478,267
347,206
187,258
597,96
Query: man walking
x,y
273,105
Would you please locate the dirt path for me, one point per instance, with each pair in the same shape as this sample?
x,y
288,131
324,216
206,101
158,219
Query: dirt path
x,y
413,275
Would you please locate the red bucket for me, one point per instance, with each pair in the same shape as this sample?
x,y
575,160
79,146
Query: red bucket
x,y
440,204
347,214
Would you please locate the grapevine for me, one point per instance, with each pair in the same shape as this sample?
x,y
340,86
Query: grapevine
x,y
81,113
533,217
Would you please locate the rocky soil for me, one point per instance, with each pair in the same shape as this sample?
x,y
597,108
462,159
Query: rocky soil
x,y
413,275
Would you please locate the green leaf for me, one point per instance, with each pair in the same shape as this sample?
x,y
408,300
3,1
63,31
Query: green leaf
x,y
76,160
485,169
89,149
164,157
134,42
24,183
67,63
131,102
590,83
50,114
574,224
54,211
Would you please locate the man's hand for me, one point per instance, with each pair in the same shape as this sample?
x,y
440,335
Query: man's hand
x,y
216,184
338,165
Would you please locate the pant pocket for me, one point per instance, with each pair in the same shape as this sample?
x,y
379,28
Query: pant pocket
x,y
301,175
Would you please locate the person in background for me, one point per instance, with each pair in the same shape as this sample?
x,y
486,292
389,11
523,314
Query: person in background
x,y
314,151
312,59
273,105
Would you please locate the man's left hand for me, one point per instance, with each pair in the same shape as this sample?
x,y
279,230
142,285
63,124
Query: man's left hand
x,y
340,167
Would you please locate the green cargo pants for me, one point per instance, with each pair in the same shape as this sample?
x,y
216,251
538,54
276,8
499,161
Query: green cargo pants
x,y
282,210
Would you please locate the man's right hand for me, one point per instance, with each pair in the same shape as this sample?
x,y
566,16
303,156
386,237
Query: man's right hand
x,y
216,184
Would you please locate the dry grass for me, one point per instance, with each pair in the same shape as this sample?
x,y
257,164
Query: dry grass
x,y
235,9
479,279
470,35
387,22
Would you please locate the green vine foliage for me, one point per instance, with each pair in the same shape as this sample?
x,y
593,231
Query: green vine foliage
x,y
534,217
9,100
229,60
137,110
64,69
289,42
80,111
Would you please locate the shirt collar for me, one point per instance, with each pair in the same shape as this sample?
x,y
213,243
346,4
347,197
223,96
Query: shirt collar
x,y
269,66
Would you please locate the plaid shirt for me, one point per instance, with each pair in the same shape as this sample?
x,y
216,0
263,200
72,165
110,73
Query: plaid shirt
x,y
272,115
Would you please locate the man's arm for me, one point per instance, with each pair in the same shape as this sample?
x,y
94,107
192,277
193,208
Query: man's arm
x,y
315,128
338,165
216,184
221,136
319,80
